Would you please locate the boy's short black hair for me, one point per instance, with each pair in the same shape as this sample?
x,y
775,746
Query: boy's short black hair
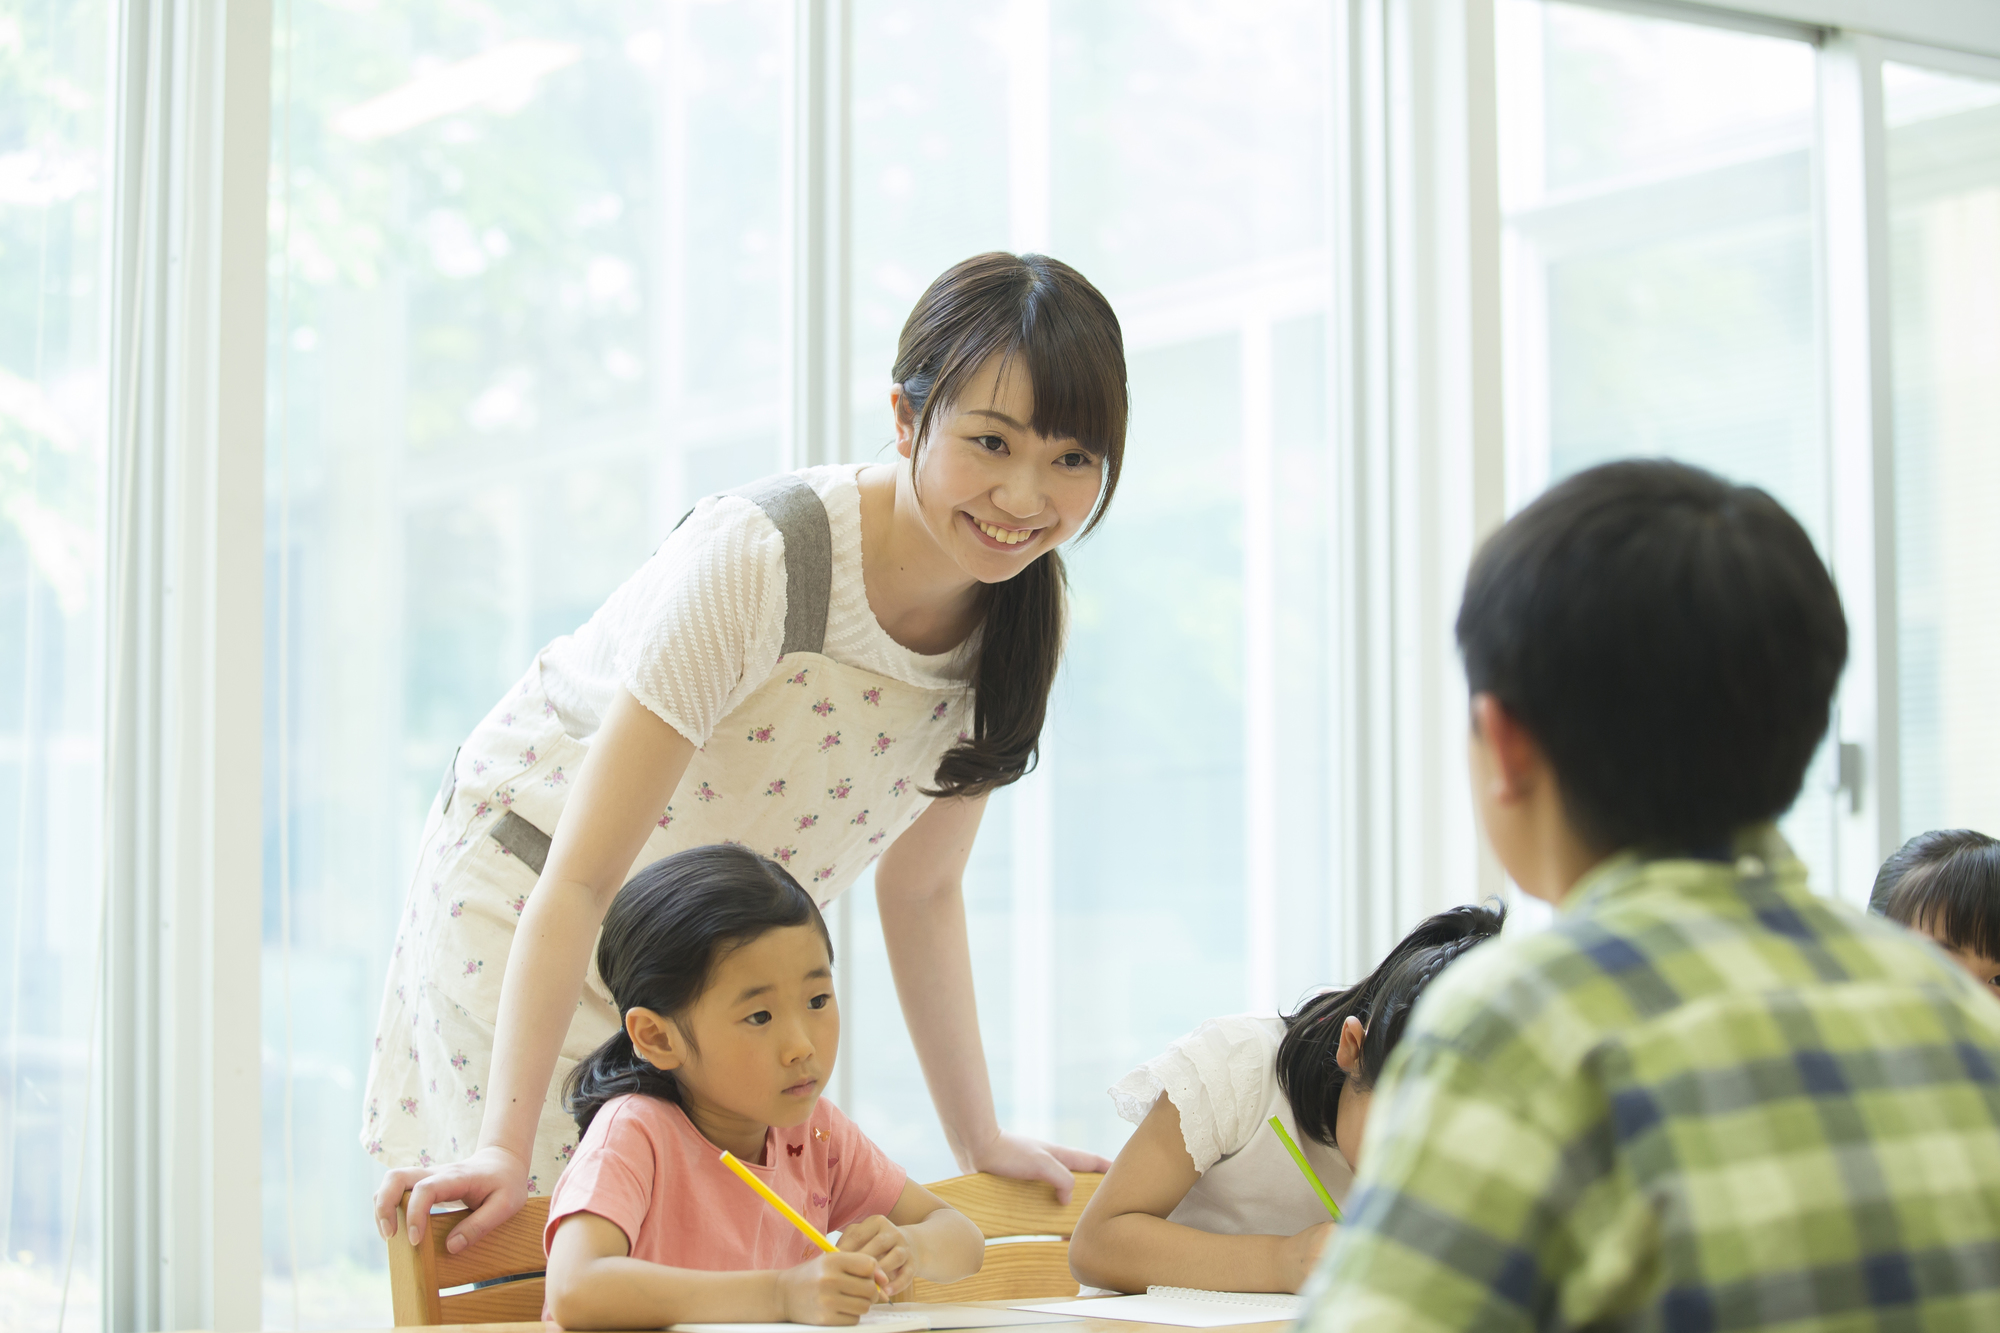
x,y
1945,883
1672,641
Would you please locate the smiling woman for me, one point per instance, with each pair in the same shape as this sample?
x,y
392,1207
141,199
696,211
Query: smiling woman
x,y
1027,406
832,667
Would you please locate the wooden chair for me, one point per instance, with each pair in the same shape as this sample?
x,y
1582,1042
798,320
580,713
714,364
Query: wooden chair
x,y
1003,1210
509,1259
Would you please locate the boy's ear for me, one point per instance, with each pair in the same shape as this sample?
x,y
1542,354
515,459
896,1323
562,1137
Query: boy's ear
x,y
1516,760
1348,1056
657,1040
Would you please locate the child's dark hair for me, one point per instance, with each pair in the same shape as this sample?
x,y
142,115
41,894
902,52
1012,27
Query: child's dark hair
x,y
1067,337
1670,640
1945,883
1307,1070
667,929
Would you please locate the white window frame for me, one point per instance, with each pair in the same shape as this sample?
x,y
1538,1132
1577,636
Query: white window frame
x,y
179,1109
1850,218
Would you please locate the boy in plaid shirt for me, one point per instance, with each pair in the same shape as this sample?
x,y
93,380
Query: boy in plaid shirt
x,y
1704,1098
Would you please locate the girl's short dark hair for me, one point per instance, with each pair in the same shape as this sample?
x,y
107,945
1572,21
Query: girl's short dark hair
x,y
1067,336
1945,883
1670,640
667,929
1307,1071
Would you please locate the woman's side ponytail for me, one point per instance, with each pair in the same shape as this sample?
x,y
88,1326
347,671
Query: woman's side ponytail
x,y
1023,631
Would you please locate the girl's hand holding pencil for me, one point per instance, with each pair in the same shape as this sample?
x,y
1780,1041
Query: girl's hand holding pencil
x,y
832,1288
883,1241
825,1282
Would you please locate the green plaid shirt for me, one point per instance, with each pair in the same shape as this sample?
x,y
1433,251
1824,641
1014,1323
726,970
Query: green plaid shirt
x,y
1703,1099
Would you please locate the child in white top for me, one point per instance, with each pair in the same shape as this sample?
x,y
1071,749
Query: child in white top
x,y
1203,1194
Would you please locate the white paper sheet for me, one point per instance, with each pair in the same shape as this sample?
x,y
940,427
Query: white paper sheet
x,y
943,1316
1208,1309
876,1321
906,1319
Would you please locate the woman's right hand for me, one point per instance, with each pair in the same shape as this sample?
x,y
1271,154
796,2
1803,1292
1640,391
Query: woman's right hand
x,y
829,1289
492,1182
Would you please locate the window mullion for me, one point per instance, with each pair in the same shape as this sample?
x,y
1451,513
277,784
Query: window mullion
x,y
1854,261
184,658
816,192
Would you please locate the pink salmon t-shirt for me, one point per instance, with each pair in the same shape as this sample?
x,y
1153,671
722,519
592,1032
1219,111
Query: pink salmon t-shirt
x,y
646,1169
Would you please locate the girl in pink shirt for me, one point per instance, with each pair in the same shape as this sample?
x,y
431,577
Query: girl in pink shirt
x,y
723,970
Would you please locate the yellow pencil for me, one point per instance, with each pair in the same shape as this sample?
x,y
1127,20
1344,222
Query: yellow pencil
x,y
785,1210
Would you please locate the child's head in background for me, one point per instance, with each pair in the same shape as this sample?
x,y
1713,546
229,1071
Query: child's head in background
x,y
1336,1044
1652,654
722,969
1946,884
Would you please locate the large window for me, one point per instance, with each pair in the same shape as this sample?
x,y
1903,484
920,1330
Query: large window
x,y
1188,181
529,306
543,274
534,304
53,260
1944,208
1657,181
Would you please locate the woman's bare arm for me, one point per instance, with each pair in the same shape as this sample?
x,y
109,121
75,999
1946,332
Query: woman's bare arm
x,y
634,763
920,893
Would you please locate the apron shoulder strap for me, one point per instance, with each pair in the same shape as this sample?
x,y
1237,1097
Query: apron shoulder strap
x,y
796,510
798,513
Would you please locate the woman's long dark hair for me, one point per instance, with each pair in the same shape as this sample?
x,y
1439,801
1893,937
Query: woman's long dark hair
x,y
1046,312
1307,1071
666,931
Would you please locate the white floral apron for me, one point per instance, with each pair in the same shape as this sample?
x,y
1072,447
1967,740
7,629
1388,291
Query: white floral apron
x,y
818,769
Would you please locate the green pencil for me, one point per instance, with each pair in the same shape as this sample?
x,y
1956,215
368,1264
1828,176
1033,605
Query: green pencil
x,y
1299,1157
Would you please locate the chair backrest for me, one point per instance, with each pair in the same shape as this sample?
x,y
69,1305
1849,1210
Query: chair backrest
x,y
509,1258
1004,1211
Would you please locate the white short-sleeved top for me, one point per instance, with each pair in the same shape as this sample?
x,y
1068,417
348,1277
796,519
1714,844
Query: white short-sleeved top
x,y
700,626
1223,1079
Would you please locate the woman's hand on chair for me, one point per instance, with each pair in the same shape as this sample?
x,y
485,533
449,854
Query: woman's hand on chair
x,y
492,1182
1024,1158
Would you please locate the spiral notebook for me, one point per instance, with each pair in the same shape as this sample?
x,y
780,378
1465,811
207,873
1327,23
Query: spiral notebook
x,y
1182,1307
